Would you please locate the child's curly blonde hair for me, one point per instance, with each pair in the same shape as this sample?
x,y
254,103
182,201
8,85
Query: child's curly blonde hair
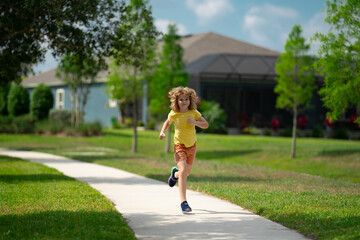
x,y
176,92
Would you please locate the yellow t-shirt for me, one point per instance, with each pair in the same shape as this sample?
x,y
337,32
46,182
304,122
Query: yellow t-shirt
x,y
184,132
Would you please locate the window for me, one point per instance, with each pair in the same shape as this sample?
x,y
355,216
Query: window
x,y
60,98
112,103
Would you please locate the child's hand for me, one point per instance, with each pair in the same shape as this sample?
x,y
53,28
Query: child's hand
x,y
162,136
191,121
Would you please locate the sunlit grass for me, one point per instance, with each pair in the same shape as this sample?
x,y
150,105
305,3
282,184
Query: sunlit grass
x,y
37,202
317,193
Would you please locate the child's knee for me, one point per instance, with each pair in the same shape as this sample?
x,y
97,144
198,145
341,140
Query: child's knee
x,y
183,171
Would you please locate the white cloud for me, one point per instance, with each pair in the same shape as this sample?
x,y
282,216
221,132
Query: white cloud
x,y
207,10
315,24
162,26
269,25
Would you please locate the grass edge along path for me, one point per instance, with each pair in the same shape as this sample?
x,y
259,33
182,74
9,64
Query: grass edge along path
x,y
38,202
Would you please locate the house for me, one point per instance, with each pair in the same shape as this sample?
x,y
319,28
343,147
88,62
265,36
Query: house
x,y
239,75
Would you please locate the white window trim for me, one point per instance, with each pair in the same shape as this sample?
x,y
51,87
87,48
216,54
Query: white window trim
x,y
60,101
112,103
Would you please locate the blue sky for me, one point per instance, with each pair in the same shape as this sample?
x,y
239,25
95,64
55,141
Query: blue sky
x,y
266,23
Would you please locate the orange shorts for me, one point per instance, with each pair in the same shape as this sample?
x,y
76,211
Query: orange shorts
x,y
182,153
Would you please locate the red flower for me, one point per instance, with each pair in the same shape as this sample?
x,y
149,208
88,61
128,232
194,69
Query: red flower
x,y
328,122
352,120
275,124
302,121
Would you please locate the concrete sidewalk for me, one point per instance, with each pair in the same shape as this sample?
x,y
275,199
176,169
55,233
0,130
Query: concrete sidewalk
x,y
152,209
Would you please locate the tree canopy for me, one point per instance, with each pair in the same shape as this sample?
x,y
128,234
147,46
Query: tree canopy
x,y
169,73
339,57
28,27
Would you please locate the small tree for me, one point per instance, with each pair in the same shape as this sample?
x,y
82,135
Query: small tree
x,y
79,73
295,81
42,101
18,100
214,115
339,57
133,52
169,74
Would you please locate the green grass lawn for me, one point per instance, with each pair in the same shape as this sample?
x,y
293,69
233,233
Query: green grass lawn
x,y
318,193
37,202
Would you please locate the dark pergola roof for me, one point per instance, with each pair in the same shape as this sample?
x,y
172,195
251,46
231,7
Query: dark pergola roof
x,y
233,65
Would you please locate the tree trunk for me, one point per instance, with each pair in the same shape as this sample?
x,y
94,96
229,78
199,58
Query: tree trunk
x,y
72,99
134,100
168,141
293,148
134,142
77,122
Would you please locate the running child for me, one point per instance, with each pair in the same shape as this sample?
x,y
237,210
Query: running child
x,y
185,117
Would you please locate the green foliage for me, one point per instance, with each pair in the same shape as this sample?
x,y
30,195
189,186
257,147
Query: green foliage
x,y
78,27
169,72
4,91
151,125
317,131
90,129
79,73
295,81
23,124
42,101
339,59
18,100
121,83
341,133
5,124
214,115
62,117
134,51
18,124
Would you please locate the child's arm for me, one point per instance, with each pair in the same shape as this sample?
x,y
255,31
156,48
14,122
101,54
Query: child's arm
x,y
165,127
201,122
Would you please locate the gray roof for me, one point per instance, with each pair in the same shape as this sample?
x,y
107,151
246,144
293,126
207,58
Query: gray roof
x,y
234,64
196,46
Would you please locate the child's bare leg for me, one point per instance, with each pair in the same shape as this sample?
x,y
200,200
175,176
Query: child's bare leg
x,y
182,175
188,170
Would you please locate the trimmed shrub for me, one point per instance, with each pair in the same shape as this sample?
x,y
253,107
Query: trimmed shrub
x,y
18,100
42,101
60,117
6,124
24,124
90,129
21,124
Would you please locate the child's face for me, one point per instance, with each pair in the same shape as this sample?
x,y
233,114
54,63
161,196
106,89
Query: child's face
x,y
183,102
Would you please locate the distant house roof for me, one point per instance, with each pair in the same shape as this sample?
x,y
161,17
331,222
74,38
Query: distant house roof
x,y
196,47
234,64
199,45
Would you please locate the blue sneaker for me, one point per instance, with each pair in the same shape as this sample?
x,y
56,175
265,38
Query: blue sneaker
x,y
185,208
172,179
